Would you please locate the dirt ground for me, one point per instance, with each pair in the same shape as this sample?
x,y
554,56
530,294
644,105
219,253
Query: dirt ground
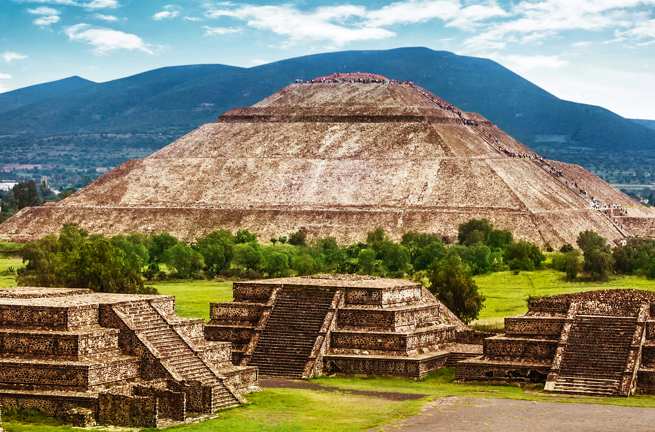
x,y
459,414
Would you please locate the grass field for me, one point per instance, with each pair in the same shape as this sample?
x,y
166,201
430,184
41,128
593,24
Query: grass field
x,y
5,263
192,298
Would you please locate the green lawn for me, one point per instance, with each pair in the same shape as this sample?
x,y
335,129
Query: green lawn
x,y
5,263
192,298
506,292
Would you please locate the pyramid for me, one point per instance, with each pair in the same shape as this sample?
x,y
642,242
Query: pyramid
x,y
340,159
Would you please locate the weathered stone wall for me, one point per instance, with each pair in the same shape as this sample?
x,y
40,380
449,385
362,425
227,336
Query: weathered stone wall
x,y
171,405
527,349
387,319
65,345
527,325
54,318
127,411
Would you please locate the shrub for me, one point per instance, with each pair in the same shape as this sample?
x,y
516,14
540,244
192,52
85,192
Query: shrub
x,y
523,256
276,264
158,244
248,256
186,261
305,265
217,250
245,236
483,227
589,239
299,238
598,262
452,283
500,239
366,261
566,248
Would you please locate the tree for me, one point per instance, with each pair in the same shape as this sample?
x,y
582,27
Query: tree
x,y
589,239
25,195
299,238
426,256
217,249
276,264
186,261
366,261
245,236
101,267
500,239
452,283
598,262
305,264
248,255
158,244
569,263
566,248
395,257
377,235
523,256
483,227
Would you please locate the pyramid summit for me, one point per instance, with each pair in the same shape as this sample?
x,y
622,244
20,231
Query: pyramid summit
x,y
340,156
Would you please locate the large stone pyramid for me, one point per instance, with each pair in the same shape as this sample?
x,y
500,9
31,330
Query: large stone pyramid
x,y
339,159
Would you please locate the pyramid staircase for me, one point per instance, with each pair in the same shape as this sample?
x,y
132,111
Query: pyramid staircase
x,y
174,352
285,346
596,356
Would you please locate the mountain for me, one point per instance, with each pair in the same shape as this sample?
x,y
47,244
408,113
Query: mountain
x,y
648,123
104,124
36,93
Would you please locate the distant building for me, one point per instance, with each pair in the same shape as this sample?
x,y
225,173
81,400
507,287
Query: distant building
x,y
7,186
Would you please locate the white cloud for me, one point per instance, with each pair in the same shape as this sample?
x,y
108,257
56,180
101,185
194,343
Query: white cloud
x,y
107,40
44,10
109,18
169,12
642,30
187,18
5,76
582,44
533,21
210,31
322,23
260,62
46,21
91,5
9,56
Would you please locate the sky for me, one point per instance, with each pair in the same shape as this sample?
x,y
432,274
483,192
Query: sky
x,y
599,52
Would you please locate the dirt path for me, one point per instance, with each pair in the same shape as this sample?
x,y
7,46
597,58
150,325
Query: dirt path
x,y
459,414
296,384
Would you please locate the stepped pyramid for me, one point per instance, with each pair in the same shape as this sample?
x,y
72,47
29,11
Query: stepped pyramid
x,y
339,159
597,343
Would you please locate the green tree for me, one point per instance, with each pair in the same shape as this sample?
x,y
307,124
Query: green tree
x,y
500,239
305,264
276,264
248,256
245,236
377,235
589,239
395,257
217,250
299,238
483,227
158,244
452,283
523,255
186,261
101,267
426,255
598,262
366,261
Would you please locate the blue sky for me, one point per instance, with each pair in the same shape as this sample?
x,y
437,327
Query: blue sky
x,y
600,52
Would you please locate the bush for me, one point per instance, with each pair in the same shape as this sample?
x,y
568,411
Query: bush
x,y
248,256
452,283
523,256
598,262
217,250
589,239
500,239
366,261
245,236
395,258
299,238
477,229
158,244
305,265
276,264
567,248
186,261
569,263
377,235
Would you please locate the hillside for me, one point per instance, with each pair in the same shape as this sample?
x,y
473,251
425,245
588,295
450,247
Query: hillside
x,y
28,95
134,116
648,123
